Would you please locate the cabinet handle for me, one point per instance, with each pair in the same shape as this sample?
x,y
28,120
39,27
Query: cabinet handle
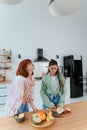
x,y
2,103
4,96
3,87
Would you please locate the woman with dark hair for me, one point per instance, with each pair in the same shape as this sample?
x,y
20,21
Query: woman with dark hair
x,y
53,87
21,90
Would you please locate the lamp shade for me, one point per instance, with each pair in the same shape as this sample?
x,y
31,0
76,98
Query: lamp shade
x,y
12,2
63,7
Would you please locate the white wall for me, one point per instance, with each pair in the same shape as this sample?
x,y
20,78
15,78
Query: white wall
x,y
28,26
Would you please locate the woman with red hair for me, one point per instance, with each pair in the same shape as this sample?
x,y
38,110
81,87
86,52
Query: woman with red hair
x,y
21,90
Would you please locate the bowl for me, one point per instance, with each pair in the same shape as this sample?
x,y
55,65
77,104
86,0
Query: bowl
x,y
57,112
19,117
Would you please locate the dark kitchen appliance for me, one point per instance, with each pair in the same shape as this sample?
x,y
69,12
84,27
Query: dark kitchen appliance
x,y
73,69
41,64
40,57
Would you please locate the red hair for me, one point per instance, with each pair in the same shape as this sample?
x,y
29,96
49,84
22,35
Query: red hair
x,y
22,68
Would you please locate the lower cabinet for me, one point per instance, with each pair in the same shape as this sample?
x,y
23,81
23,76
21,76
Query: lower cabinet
x,y
37,97
67,95
3,97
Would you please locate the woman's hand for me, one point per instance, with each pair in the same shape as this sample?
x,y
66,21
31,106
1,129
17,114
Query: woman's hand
x,y
60,107
23,100
53,107
35,109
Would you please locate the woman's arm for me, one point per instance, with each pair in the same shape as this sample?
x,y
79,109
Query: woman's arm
x,y
44,97
30,84
26,94
31,102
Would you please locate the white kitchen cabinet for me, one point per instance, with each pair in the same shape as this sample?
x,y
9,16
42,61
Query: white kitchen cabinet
x,y
67,85
3,97
3,93
37,97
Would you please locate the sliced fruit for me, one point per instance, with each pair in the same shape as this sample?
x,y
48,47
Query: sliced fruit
x,y
49,116
60,110
36,120
42,115
68,109
35,114
48,119
20,115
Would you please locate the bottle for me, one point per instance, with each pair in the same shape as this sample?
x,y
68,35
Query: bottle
x,y
9,53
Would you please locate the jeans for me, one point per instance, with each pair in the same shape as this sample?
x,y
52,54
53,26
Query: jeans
x,y
54,99
23,108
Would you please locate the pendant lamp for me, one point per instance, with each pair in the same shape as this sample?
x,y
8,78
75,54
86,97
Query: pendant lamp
x,y
12,2
63,7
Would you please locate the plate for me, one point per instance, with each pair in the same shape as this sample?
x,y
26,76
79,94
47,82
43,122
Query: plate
x,y
43,124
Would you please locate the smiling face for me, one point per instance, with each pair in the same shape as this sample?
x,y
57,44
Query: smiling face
x,y
53,69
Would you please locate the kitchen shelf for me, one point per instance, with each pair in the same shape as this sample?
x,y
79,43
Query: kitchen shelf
x,y
6,82
5,60
5,55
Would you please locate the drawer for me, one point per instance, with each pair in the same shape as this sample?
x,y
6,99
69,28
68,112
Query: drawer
x,y
3,100
4,86
4,89
2,110
2,107
3,92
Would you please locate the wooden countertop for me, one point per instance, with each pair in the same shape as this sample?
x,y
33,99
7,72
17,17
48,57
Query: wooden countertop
x,y
76,120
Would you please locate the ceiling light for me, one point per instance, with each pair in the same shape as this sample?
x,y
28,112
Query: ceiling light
x,y
63,7
12,2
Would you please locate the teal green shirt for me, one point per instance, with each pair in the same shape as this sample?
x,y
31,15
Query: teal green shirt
x,y
46,88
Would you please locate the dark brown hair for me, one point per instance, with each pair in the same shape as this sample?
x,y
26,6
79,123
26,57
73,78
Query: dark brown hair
x,y
22,68
54,62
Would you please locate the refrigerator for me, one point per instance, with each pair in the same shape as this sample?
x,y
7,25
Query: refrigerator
x,y
73,69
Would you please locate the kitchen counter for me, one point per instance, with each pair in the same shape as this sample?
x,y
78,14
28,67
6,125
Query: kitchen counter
x,y
76,120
